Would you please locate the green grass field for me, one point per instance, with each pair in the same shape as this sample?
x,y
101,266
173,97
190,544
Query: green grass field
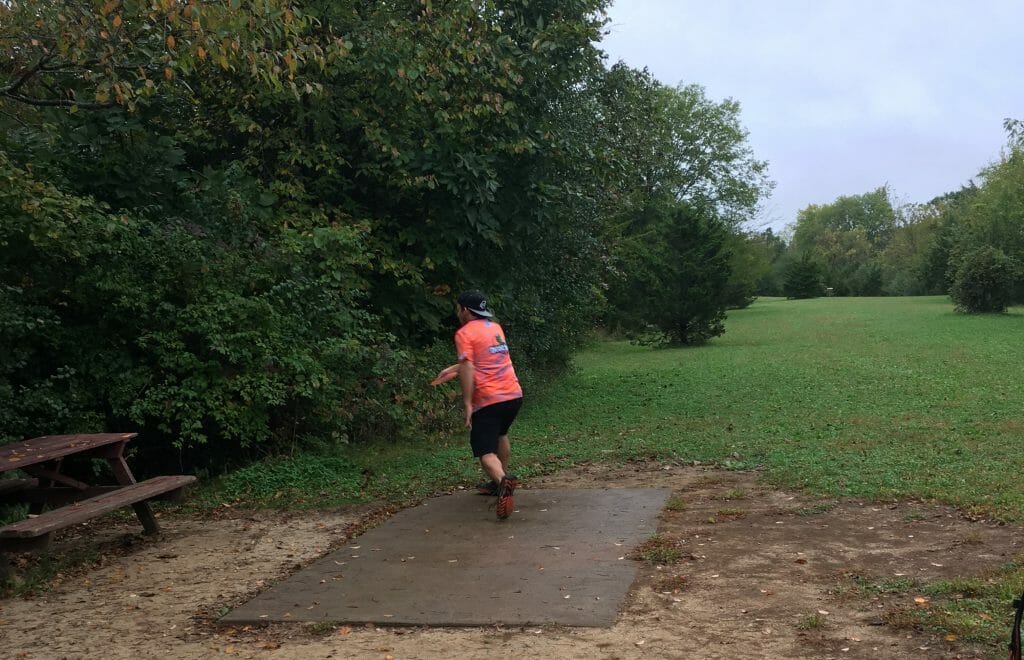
x,y
872,397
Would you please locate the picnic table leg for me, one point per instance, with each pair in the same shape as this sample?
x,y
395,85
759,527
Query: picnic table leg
x,y
35,508
125,477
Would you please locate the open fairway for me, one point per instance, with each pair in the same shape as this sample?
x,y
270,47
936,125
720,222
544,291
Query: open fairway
x,y
875,397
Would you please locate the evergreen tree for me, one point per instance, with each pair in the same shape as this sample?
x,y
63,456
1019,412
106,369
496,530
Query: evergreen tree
x,y
803,278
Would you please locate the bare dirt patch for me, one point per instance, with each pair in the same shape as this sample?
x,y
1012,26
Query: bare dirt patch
x,y
753,572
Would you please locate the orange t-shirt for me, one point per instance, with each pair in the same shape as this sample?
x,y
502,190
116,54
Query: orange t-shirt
x,y
482,342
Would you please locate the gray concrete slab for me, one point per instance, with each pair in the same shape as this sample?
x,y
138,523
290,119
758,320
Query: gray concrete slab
x,y
559,559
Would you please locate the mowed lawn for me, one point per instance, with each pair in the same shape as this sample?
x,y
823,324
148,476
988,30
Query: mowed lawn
x,y
873,397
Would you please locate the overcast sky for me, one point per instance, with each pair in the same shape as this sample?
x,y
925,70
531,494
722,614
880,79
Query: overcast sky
x,y
843,96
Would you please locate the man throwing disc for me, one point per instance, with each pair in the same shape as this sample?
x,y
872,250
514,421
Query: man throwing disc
x,y
491,394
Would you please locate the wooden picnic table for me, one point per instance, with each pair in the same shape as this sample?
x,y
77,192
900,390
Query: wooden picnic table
x,y
57,500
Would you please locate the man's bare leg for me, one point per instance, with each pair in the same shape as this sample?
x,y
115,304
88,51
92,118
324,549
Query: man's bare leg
x,y
493,467
504,450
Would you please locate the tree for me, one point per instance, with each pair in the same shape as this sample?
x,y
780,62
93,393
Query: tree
x,y
984,281
846,238
238,230
750,263
285,262
682,157
902,260
94,55
778,256
803,278
995,216
935,271
678,278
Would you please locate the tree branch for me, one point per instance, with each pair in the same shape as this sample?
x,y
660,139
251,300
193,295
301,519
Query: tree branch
x,y
56,103
14,117
13,88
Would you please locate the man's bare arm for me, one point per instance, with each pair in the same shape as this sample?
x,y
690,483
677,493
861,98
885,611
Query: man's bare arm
x,y
466,371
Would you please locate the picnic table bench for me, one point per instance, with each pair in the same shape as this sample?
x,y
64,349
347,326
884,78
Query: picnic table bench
x,y
57,500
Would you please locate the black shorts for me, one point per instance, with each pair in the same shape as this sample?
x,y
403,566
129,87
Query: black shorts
x,y
490,423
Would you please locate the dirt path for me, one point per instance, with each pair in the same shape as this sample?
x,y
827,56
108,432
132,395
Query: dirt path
x,y
761,574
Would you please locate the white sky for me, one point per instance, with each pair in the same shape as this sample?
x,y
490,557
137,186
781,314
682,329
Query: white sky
x,y
842,96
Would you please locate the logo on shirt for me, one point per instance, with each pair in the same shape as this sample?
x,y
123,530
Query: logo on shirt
x,y
499,345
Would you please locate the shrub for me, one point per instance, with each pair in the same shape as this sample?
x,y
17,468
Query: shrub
x,y
215,347
984,281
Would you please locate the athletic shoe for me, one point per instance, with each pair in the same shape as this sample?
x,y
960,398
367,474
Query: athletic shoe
x,y
488,488
505,501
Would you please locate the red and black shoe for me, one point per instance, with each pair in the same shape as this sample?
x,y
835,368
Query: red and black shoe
x,y
506,503
488,488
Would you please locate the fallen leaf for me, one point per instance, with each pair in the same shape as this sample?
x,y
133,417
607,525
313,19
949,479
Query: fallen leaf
x,y
344,630
921,600
951,638
229,649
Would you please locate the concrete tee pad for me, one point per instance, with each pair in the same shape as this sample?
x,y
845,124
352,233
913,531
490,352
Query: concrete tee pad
x,y
559,559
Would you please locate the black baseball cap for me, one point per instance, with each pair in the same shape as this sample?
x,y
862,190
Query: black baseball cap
x,y
474,301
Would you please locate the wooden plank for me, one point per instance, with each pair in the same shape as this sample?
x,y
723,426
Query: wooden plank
x,y
51,447
78,512
15,485
53,476
53,496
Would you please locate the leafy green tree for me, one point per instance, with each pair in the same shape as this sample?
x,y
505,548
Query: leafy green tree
x,y
681,156
935,271
101,54
750,263
995,216
902,261
239,226
871,212
776,253
289,253
846,238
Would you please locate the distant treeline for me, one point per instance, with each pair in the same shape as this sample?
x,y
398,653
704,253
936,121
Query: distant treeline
x,y
968,242
239,227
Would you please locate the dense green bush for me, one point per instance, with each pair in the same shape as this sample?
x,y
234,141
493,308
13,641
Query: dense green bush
x,y
111,321
984,281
